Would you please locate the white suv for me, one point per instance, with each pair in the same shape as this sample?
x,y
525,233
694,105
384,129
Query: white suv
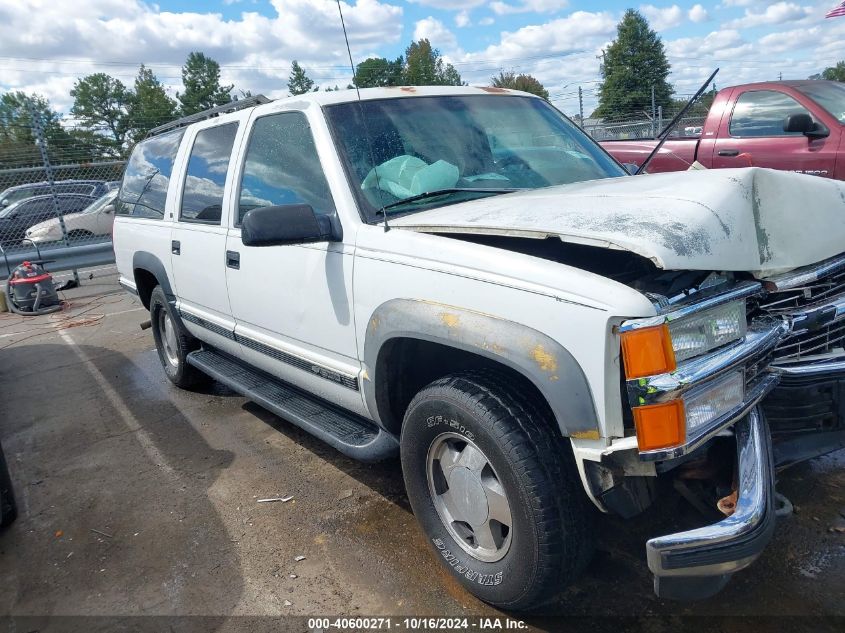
x,y
463,276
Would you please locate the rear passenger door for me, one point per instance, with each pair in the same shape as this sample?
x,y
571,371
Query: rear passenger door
x,y
198,236
293,303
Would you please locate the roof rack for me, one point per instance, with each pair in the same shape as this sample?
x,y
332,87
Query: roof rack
x,y
232,106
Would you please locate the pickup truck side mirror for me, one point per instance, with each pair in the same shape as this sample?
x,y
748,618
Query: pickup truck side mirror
x,y
803,123
286,224
108,209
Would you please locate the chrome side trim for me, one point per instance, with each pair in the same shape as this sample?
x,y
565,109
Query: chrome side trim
x,y
815,317
736,541
754,393
810,369
805,275
695,303
762,337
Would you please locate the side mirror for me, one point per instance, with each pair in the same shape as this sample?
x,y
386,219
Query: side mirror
x,y
803,123
286,224
108,209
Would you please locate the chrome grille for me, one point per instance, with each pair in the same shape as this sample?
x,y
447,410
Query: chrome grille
x,y
812,343
816,292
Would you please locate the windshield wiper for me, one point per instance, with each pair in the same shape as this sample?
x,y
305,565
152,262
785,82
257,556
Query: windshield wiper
x,y
443,192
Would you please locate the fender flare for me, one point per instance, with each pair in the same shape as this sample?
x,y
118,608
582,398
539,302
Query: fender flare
x,y
147,261
537,357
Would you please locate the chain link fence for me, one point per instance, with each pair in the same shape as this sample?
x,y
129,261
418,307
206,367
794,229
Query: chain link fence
x,y
56,200
642,128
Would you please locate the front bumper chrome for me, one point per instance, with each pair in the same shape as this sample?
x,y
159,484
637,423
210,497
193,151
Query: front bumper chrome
x,y
698,563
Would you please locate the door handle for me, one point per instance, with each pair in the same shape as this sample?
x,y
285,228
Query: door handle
x,y
175,247
728,152
233,259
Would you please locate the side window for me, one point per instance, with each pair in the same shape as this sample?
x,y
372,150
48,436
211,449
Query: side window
x,y
202,198
282,167
143,189
762,112
73,205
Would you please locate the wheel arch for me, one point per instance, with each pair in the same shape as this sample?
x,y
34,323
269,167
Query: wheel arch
x,y
149,272
445,338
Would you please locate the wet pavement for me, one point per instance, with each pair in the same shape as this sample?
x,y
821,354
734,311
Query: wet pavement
x,y
137,498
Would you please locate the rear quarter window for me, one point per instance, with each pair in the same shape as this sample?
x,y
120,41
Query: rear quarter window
x,y
143,190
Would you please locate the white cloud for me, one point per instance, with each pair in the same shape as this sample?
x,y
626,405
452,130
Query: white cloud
x,y
462,19
254,50
435,32
528,6
486,21
662,19
450,4
698,14
777,13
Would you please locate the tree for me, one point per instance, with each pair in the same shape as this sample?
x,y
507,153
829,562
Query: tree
x,y
201,80
149,104
523,82
299,82
424,66
634,64
832,73
378,72
102,102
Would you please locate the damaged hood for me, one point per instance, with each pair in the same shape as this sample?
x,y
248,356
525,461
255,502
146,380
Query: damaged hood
x,y
757,220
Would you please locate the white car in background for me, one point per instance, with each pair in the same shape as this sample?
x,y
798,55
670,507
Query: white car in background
x,y
96,219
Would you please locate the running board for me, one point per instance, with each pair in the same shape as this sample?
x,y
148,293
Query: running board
x,y
351,434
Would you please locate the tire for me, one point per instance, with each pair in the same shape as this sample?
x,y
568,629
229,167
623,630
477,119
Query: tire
x,y
548,541
173,342
8,507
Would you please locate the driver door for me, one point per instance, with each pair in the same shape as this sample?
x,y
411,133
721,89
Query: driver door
x,y
292,304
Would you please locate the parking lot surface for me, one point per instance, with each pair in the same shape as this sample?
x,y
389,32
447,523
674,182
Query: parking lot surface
x,y
137,498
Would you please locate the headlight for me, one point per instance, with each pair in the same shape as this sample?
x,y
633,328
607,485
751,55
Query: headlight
x,y
657,349
704,331
672,423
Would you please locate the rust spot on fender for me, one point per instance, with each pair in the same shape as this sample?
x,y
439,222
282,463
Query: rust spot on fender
x,y
545,360
494,89
373,324
586,435
450,320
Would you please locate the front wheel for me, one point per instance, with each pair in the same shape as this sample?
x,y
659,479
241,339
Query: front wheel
x,y
173,342
495,489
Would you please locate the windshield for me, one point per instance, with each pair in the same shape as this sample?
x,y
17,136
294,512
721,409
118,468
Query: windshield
x,y
465,146
100,202
828,94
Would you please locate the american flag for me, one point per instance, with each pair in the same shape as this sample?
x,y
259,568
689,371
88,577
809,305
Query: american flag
x,y
837,12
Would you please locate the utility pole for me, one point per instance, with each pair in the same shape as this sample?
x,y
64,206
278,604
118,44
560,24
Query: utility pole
x,y
653,114
780,76
581,107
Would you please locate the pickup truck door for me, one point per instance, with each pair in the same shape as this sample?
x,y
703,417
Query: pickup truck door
x,y
292,304
753,135
198,236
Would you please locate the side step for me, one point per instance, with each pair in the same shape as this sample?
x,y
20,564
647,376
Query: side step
x,y
352,435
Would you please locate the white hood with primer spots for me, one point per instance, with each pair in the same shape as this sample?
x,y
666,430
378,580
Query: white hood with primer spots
x,y
756,220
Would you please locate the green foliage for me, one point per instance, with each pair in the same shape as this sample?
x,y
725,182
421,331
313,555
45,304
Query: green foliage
x,y
523,82
424,66
18,143
148,104
634,63
832,73
299,82
102,103
201,80
378,72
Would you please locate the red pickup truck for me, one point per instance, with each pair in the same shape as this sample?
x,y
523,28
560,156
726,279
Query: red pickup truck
x,y
790,125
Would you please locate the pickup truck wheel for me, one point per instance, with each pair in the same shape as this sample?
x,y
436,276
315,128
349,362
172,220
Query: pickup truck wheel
x,y
8,508
495,489
173,342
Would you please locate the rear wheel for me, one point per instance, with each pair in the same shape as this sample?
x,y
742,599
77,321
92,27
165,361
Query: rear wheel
x,y
173,342
495,489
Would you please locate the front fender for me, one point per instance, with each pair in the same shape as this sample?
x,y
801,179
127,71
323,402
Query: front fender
x,y
540,359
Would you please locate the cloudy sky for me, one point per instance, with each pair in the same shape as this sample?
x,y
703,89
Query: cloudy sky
x,y
255,40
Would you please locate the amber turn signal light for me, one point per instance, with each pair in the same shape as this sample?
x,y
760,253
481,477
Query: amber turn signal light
x,y
648,351
660,425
